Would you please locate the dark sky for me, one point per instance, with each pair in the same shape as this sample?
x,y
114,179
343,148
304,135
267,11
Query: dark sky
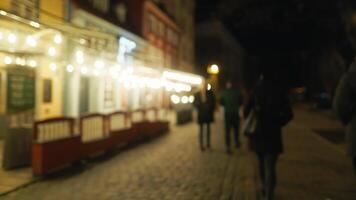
x,y
291,25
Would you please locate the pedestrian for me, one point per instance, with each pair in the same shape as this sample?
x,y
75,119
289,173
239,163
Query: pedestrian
x,y
270,102
231,100
205,104
344,105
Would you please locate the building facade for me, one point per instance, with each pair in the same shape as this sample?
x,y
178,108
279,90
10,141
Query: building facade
x,y
66,58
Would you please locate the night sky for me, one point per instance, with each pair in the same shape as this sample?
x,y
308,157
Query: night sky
x,y
293,33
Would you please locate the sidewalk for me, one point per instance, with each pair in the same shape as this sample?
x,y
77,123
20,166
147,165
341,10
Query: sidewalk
x,y
311,167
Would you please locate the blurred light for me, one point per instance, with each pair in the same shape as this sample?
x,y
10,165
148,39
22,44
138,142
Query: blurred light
x,y
213,69
31,41
191,99
175,99
126,45
185,100
52,51
20,61
8,60
1,36
70,68
79,56
99,64
12,38
191,79
130,70
35,24
96,72
84,70
58,39
82,41
208,87
53,66
3,12
32,63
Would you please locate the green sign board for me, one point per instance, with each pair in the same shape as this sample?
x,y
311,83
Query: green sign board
x,y
20,89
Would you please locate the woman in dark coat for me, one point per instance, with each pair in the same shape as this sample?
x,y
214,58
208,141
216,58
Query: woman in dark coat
x,y
273,109
205,105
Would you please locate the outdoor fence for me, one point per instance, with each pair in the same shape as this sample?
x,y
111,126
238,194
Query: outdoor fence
x,y
56,142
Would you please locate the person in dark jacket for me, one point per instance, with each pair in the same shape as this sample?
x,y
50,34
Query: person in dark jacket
x,y
273,109
231,99
345,107
205,104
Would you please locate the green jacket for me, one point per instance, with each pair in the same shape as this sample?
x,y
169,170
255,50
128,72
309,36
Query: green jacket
x,y
231,99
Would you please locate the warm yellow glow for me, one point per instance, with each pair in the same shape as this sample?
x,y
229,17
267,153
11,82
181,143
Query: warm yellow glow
x,y
20,61
8,60
191,99
31,41
3,12
52,51
99,64
35,24
53,66
58,39
12,38
175,99
32,63
208,87
84,70
182,77
1,36
185,100
213,69
79,56
70,68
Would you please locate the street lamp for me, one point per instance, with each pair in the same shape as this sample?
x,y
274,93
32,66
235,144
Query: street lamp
x,y
213,69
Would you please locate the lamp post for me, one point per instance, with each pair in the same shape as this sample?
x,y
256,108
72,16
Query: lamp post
x,y
213,71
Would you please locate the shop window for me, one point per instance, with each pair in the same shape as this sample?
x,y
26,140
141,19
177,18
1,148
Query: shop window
x,y
47,91
26,8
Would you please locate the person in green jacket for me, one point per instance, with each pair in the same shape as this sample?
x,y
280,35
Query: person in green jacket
x,y
231,100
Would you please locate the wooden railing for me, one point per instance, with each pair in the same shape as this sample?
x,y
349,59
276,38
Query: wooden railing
x,y
151,114
53,129
119,121
56,143
138,116
93,127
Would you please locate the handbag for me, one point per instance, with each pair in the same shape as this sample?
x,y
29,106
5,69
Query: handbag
x,y
250,126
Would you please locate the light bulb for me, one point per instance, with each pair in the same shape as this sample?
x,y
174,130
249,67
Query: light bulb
x,y
53,66
8,60
32,63
58,39
52,51
31,41
12,38
70,68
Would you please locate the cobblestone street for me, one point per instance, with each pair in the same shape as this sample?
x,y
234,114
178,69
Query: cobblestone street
x,y
172,167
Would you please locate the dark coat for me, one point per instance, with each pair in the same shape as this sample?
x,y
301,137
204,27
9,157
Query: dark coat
x,y
274,111
345,107
205,109
231,99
